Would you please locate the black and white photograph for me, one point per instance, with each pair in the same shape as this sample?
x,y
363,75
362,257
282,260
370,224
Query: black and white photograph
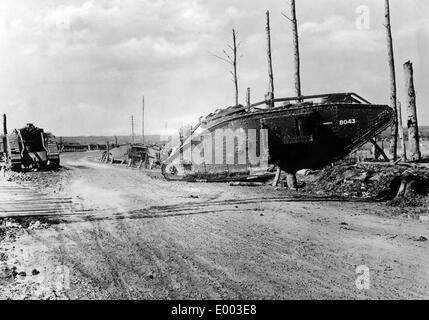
x,y
214,154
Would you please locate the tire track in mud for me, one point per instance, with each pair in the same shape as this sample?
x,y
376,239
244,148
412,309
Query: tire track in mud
x,y
77,214
202,274
170,269
112,261
155,260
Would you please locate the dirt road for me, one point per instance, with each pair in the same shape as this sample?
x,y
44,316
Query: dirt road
x,y
152,239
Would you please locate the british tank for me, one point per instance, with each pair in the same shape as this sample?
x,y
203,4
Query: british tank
x,y
249,142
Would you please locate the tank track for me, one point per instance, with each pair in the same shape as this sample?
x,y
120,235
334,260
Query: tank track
x,y
53,151
14,152
169,176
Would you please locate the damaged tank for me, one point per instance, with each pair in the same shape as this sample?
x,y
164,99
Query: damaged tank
x,y
249,142
30,147
135,155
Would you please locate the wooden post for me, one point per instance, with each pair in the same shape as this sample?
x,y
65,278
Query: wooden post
x,y
270,95
297,72
248,99
108,152
140,164
379,150
146,159
190,144
4,124
392,74
412,124
181,144
277,177
375,151
291,181
401,133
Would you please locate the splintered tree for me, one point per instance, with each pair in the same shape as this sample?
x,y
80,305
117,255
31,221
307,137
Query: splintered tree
x,y
392,74
412,124
232,59
297,73
270,95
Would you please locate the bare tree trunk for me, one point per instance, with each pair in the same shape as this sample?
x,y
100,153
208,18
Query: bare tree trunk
x,y
393,101
234,40
401,133
297,72
412,124
232,59
270,95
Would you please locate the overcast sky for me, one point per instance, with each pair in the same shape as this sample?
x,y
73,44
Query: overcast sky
x,y
80,67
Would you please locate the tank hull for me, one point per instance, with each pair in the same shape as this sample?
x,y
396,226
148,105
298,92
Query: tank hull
x,y
249,145
29,148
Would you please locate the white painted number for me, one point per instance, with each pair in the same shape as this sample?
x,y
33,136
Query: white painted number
x,y
346,122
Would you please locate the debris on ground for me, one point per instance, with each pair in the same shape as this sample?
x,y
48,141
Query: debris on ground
x,y
246,184
50,182
424,218
369,181
419,239
10,228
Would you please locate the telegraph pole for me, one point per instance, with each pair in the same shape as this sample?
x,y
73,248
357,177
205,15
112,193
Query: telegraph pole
x,y
143,120
132,129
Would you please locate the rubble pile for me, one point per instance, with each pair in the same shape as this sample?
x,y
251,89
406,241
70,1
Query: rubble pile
x,y
11,227
52,182
370,181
